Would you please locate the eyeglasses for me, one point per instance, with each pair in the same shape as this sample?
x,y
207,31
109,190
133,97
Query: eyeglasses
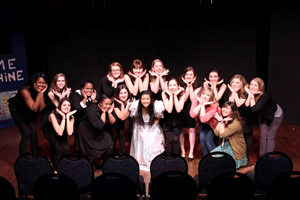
x,y
115,70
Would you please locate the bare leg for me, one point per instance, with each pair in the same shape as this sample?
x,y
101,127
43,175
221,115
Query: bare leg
x,y
192,138
182,144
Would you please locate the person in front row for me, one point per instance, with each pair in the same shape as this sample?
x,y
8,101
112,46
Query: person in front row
x,y
94,135
230,130
147,139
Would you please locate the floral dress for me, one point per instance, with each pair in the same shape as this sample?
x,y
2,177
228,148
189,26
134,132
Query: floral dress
x,y
147,142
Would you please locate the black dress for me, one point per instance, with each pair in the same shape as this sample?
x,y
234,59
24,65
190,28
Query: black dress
x,y
59,144
188,121
94,135
25,119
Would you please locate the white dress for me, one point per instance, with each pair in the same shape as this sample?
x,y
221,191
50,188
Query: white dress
x,y
147,142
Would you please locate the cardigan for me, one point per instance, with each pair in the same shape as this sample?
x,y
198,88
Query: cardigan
x,y
234,133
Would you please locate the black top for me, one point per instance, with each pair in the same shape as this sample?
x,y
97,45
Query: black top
x,y
265,106
94,135
75,99
173,121
107,88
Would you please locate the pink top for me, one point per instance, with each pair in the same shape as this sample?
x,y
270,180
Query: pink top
x,y
210,110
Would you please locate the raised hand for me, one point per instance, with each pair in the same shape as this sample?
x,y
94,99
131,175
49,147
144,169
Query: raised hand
x,y
94,95
132,75
61,113
111,79
221,81
207,103
227,119
111,108
206,81
60,96
103,110
152,73
218,116
178,91
71,113
143,74
199,100
83,94
185,81
118,101
66,92
247,90
165,73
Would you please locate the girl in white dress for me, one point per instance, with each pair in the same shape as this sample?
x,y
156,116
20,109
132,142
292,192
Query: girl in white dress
x,y
147,139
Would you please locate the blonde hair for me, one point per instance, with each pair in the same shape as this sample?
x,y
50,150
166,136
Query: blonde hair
x,y
54,81
153,78
243,84
261,87
212,94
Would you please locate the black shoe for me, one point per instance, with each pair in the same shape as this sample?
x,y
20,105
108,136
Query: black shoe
x,y
190,159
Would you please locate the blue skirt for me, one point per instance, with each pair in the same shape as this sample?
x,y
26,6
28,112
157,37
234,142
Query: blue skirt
x,y
227,149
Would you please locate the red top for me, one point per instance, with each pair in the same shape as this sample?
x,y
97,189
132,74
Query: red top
x,y
210,110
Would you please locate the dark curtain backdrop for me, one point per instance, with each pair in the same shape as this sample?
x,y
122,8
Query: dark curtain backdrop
x,y
250,40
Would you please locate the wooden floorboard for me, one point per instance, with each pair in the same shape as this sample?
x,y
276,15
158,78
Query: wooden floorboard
x,y
287,141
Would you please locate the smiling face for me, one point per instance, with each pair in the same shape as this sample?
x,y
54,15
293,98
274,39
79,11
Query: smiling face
x,y
206,96
40,84
138,70
226,111
145,100
213,77
158,67
189,76
173,86
123,95
254,87
60,83
236,84
65,107
115,71
88,88
106,104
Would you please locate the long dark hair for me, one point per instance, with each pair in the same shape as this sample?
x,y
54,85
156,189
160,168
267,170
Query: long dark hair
x,y
118,90
186,70
56,114
140,120
178,83
235,112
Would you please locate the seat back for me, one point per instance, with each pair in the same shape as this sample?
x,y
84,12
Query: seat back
x,y
211,165
175,185
167,162
125,164
79,168
28,168
7,190
285,186
113,186
268,166
231,185
55,186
